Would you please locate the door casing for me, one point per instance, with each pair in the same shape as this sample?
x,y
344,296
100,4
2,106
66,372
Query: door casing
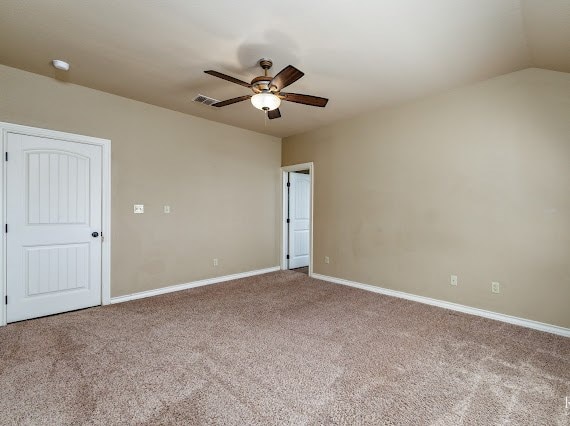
x,y
284,212
105,144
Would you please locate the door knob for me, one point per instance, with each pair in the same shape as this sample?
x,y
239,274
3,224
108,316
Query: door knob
x,y
95,234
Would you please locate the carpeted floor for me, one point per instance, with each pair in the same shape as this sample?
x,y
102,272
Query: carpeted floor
x,y
280,348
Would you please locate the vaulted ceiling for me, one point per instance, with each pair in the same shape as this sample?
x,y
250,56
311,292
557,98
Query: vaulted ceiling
x,y
361,54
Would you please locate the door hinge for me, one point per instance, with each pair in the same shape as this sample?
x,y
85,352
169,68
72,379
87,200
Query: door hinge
x,y
6,155
287,256
6,228
6,300
288,184
288,220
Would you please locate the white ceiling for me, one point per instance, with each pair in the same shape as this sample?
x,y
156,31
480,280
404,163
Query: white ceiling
x,y
360,54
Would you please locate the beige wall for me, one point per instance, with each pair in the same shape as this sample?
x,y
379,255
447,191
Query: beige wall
x,y
220,181
474,182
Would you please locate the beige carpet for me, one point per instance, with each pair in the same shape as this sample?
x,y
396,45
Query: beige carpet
x,y
279,349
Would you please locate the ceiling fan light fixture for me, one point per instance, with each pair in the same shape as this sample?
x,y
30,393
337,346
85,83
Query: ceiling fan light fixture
x,y
266,101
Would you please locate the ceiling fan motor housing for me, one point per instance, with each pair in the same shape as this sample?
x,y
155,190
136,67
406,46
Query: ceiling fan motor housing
x,y
260,84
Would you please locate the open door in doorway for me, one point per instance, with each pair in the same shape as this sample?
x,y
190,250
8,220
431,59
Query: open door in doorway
x,y
297,217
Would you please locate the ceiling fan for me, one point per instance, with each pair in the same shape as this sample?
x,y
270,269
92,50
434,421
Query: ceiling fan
x,y
267,90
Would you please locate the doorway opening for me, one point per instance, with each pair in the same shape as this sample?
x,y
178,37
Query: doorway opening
x,y
297,218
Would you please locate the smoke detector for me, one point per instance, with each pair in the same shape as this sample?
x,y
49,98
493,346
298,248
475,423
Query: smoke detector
x,y
60,65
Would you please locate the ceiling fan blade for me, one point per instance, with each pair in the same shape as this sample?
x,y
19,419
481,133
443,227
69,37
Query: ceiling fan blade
x,y
285,77
305,99
231,101
228,78
274,113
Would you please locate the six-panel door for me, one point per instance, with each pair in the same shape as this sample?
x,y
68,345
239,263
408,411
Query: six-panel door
x,y
53,207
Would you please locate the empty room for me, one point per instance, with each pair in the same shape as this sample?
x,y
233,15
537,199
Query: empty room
x,y
298,213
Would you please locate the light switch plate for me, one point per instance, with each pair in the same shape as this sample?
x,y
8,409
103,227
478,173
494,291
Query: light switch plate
x,y
166,209
139,208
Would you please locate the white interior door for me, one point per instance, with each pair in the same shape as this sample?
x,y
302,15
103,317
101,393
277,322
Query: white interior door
x,y
299,219
53,214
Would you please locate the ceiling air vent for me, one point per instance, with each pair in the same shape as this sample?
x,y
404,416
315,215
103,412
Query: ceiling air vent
x,y
205,100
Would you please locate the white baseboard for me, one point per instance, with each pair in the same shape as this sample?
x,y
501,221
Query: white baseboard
x,y
178,287
549,328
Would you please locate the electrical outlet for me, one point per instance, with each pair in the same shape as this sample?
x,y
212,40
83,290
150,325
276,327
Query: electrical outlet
x,y
138,208
166,209
495,287
453,280
215,262
327,259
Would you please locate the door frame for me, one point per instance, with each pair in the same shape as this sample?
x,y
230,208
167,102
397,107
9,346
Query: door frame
x,y
284,210
105,144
